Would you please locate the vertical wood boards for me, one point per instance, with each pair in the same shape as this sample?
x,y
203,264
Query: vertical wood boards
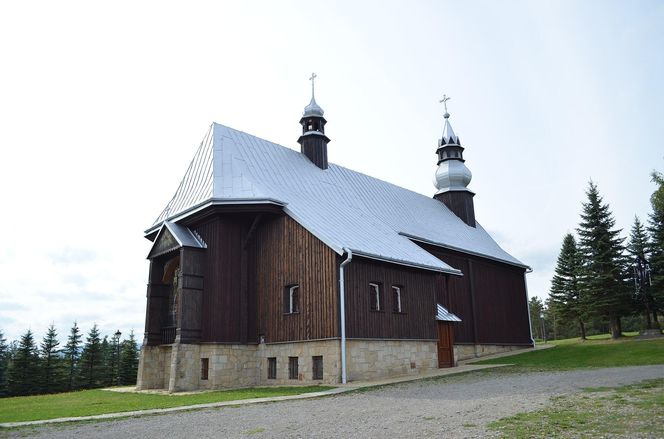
x,y
418,298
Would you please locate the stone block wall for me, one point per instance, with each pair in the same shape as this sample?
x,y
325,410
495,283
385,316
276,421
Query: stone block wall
x,y
329,349
468,351
368,360
154,367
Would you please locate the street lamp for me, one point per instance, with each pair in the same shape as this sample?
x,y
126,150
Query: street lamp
x,y
543,326
118,334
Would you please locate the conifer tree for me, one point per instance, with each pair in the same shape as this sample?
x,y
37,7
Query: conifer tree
x,y
603,274
91,370
72,357
106,362
4,358
566,299
23,369
656,248
129,360
50,368
638,247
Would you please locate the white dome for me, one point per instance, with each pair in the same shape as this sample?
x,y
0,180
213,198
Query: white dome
x,y
452,175
313,109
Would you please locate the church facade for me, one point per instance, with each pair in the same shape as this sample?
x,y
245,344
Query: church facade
x,y
272,266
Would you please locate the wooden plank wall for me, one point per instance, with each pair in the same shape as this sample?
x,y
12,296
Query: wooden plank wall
x,y
418,301
222,302
490,299
282,252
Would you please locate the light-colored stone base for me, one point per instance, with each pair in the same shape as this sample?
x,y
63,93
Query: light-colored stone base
x,y
375,359
467,351
177,367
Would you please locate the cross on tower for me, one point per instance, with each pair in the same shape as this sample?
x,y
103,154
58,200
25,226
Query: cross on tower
x,y
444,101
313,76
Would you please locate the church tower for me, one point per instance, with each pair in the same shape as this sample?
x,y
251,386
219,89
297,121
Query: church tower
x,y
452,176
313,141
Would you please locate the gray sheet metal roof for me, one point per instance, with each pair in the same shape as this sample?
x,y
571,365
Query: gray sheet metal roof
x,y
343,208
443,315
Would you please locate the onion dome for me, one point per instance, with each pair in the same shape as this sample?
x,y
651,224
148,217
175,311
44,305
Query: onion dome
x,y
313,109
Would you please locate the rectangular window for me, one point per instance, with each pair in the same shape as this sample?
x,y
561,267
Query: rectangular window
x,y
396,298
292,299
375,297
317,367
272,368
205,367
292,368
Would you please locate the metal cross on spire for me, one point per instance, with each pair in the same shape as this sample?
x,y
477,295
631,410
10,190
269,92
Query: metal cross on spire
x,y
444,102
313,76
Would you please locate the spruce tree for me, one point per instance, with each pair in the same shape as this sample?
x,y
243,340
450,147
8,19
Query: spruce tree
x,y
603,277
4,358
72,357
536,309
51,365
92,367
23,369
129,361
566,299
638,247
656,248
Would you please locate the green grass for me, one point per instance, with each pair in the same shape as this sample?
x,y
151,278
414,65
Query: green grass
x,y
591,353
96,402
590,337
628,411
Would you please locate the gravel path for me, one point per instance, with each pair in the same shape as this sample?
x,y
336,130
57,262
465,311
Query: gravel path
x,y
457,406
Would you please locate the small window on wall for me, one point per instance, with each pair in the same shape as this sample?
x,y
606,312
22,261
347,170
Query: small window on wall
x,y
292,299
272,368
317,367
396,298
205,367
292,368
375,297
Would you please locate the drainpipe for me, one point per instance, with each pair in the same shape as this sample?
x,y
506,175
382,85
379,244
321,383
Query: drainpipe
x,y
342,307
530,323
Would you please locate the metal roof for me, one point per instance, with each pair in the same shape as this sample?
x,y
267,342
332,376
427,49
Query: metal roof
x,y
444,315
343,208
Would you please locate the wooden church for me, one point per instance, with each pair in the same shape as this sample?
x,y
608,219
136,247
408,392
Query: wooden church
x,y
273,266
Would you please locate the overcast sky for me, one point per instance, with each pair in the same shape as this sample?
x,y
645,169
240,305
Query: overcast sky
x,y
102,106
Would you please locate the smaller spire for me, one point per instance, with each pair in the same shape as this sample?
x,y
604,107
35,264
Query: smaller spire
x,y
448,133
313,109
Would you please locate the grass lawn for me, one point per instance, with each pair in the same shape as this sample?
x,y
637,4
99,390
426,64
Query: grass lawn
x,y
592,353
634,410
96,402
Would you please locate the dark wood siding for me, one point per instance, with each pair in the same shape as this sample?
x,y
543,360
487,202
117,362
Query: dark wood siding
x,y
418,301
224,308
461,203
490,299
284,253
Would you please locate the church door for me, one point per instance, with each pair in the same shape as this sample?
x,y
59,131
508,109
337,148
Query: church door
x,y
445,345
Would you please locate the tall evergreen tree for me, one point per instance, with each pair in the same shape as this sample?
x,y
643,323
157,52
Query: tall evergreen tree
x,y
92,367
129,360
72,356
536,309
4,359
51,366
656,248
23,369
566,299
638,247
603,273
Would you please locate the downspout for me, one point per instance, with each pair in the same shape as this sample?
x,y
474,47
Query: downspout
x,y
342,307
530,322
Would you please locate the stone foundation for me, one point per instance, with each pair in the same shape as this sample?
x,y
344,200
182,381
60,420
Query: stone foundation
x,y
177,367
368,360
468,351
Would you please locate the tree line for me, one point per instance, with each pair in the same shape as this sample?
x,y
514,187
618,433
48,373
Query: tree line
x,y
27,368
603,280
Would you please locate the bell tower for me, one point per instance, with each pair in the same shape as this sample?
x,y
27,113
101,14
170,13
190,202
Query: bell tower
x,y
313,141
452,176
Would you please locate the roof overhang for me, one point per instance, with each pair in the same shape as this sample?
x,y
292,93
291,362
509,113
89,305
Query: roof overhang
x,y
452,271
461,250
443,315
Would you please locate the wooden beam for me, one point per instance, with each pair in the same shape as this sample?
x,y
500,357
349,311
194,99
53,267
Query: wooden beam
x,y
252,229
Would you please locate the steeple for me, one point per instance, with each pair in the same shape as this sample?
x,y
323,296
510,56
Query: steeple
x,y
452,176
313,141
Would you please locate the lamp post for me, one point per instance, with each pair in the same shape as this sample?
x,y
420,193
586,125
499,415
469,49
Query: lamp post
x,y
543,326
118,334
641,270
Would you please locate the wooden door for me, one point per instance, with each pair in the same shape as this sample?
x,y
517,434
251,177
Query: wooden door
x,y
445,344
